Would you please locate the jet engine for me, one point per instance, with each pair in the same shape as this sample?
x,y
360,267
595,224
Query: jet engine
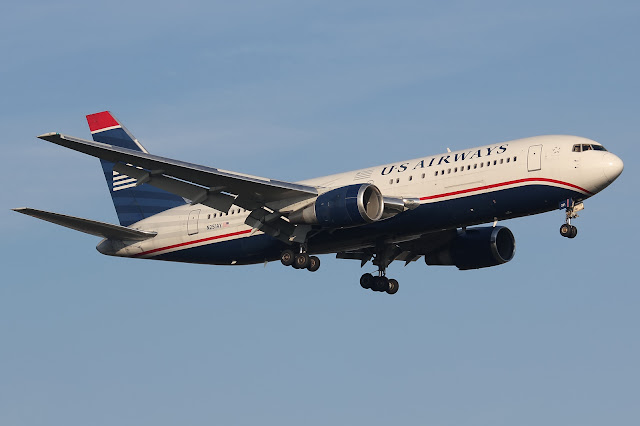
x,y
350,205
476,248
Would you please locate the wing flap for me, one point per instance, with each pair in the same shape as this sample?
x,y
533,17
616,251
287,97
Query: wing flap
x,y
195,193
99,229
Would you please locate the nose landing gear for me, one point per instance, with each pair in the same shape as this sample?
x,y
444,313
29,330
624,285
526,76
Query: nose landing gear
x,y
567,230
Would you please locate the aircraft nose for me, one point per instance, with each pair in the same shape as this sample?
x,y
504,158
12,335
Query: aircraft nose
x,y
612,166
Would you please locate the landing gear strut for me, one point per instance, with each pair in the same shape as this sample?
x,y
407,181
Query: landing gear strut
x,y
567,230
300,260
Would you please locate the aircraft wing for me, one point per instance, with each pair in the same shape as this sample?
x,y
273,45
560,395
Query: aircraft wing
x,y
213,187
93,227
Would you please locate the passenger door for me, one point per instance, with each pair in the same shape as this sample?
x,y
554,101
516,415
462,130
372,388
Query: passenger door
x,y
192,223
534,158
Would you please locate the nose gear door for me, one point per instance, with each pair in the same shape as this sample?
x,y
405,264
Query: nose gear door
x,y
534,158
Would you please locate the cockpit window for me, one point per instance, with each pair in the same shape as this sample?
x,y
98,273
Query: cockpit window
x,y
588,147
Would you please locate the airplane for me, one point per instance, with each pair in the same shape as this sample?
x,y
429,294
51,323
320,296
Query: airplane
x,y
428,207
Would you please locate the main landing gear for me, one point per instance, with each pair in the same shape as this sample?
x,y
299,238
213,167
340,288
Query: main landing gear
x,y
382,258
567,230
379,283
300,260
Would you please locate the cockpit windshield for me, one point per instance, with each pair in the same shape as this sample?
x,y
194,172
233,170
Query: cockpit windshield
x,y
588,147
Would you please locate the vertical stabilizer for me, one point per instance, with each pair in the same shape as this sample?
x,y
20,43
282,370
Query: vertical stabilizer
x,y
133,203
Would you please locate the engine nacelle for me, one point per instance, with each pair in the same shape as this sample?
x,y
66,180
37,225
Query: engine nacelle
x,y
343,207
476,248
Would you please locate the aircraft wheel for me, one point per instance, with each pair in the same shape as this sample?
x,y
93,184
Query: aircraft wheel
x,y
301,261
393,286
380,284
314,263
366,281
287,258
565,230
574,232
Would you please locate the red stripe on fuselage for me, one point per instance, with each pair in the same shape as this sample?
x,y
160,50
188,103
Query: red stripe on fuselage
x,y
430,197
497,185
217,237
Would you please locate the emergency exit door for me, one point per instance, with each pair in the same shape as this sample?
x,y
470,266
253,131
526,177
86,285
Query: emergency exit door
x,y
534,158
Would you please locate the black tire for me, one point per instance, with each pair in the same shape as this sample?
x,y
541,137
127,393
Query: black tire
x,y
393,286
574,232
380,284
565,230
366,281
287,258
314,263
301,261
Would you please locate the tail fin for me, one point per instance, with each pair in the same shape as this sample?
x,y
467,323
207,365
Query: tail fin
x,y
133,203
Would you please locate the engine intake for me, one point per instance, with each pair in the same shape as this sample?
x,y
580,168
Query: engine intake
x,y
343,207
476,248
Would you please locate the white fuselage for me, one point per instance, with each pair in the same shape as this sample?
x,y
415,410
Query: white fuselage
x,y
460,188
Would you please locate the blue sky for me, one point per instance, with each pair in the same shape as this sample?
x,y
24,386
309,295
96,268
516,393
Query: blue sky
x,y
293,90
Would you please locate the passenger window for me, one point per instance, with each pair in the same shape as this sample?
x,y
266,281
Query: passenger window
x,y
475,166
436,173
501,161
423,175
398,180
508,159
390,181
514,159
469,167
481,165
410,178
488,163
455,170
495,162
448,171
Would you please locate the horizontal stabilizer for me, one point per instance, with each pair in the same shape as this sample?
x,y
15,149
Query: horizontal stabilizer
x,y
99,229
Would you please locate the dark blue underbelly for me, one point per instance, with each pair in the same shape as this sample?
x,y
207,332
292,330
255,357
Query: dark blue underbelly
x,y
448,214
